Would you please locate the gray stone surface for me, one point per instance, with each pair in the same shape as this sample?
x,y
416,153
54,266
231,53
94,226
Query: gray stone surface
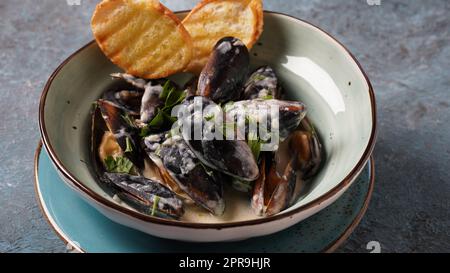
x,y
403,45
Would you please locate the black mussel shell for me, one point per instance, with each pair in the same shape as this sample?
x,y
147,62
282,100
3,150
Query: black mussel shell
x,y
224,75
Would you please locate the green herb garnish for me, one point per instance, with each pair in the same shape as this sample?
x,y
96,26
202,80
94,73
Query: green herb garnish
x,y
258,77
155,204
163,119
175,97
119,164
267,97
128,120
129,148
167,89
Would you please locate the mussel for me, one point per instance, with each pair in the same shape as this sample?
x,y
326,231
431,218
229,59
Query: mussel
x,y
127,136
262,84
223,77
306,148
176,159
150,99
285,175
230,156
145,195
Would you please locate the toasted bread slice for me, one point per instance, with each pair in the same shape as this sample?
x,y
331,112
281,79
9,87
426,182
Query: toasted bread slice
x,y
142,37
211,20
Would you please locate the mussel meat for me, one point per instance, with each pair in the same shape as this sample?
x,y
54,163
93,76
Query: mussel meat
x,y
223,77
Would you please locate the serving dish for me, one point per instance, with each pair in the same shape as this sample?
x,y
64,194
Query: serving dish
x,y
314,68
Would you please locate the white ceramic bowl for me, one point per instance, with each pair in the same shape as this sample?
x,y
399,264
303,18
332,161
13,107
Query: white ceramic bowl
x,y
313,67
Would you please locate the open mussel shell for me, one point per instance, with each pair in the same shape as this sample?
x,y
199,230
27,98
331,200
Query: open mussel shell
x,y
262,84
177,160
98,129
232,157
224,75
285,175
118,122
273,191
147,196
305,149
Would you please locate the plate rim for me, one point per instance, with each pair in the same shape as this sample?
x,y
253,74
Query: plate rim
x,y
314,203
330,248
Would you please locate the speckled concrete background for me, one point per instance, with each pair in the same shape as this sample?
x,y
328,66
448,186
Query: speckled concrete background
x,y
403,45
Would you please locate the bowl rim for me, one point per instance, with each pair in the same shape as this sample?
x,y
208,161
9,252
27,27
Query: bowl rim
x,y
316,202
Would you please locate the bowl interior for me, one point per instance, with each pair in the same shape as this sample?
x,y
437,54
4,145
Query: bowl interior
x,y
311,66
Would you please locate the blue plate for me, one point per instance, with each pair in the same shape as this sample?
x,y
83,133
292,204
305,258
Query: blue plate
x,y
86,230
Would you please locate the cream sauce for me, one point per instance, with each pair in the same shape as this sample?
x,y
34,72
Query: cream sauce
x,y
237,208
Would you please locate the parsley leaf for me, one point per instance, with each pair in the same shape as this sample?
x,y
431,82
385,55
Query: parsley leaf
x,y
155,205
268,97
128,120
119,164
129,148
163,119
167,88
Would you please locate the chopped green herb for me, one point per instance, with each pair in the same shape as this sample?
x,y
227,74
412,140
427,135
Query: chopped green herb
x,y
209,117
167,88
155,204
163,119
129,148
145,131
128,120
110,163
267,97
174,97
258,77
158,120
119,164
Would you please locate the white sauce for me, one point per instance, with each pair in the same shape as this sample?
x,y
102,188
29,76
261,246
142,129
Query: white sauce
x,y
237,208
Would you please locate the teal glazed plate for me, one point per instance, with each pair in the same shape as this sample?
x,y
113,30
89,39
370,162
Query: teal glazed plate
x,y
84,229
